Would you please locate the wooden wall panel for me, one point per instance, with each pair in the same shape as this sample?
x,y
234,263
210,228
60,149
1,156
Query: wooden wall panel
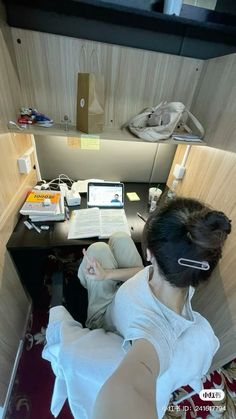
x,y
9,82
215,102
14,304
12,146
134,79
211,177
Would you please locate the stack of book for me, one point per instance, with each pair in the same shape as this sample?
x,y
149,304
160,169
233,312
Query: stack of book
x,y
44,206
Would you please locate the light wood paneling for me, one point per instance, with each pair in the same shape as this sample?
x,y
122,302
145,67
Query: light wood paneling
x,y
48,66
215,103
14,304
12,146
9,83
211,177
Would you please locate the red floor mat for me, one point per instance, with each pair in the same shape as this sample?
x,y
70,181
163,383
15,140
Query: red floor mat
x,y
32,391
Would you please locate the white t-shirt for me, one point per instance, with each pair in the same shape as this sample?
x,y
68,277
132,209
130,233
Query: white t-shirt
x,y
84,359
185,343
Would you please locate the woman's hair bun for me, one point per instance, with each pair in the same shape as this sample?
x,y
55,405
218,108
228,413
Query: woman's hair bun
x,y
208,229
217,220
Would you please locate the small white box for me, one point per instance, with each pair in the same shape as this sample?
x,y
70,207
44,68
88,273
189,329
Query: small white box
x,y
73,198
179,171
24,164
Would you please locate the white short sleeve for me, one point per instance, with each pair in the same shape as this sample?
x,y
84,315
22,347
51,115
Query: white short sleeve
x,y
157,333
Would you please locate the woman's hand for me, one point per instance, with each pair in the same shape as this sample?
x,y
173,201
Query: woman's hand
x,y
93,269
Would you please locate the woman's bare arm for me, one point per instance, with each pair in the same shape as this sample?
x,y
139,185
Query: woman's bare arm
x,y
131,390
94,270
121,274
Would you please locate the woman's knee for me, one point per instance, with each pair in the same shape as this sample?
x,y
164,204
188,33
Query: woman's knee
x,y
97,248
120,236
102,253
124,250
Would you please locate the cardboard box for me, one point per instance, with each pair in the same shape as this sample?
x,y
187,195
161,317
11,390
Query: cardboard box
x,y
90,103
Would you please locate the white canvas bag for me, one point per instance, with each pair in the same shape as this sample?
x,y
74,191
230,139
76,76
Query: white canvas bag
x,y
160,122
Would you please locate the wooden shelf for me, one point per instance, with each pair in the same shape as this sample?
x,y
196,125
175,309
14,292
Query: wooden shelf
x,y
109,133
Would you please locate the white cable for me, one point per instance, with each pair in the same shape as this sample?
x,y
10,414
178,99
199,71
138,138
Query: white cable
x,y
53,180
187,151
53,186
67,177
59,180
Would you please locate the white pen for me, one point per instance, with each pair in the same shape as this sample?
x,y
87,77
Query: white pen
x,y
36,228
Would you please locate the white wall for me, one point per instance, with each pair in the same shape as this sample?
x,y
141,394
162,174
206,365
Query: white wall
x,y
116,160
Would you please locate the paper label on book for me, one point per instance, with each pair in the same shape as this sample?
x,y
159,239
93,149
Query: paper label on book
x,y
90,142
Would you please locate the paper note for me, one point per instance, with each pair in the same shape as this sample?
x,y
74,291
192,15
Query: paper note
x,y
73,142
133,196
89,142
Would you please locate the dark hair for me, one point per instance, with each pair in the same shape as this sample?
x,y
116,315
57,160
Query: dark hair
x,y
185,228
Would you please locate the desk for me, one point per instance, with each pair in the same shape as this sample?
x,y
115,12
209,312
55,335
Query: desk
x,y
29,249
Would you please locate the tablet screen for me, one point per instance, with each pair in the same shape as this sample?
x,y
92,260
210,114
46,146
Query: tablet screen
x,y
106,195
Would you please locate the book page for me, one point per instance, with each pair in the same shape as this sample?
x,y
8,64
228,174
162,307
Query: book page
x,y
84,223
113,221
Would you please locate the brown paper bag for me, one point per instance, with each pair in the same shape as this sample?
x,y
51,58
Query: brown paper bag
x,y
90,103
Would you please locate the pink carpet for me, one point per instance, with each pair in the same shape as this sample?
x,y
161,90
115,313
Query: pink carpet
x,y
32,391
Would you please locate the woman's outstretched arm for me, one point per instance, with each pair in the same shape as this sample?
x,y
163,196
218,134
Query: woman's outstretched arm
x,y
131,391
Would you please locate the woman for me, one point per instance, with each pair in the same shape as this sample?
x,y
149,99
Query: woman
x,y
152,310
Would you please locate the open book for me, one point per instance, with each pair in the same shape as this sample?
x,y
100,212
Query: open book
x,y
95,222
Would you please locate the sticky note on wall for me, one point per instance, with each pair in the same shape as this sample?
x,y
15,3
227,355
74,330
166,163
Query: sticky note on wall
x,y
73,142
90,142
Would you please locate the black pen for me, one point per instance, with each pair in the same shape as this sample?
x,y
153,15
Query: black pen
x,y
140,216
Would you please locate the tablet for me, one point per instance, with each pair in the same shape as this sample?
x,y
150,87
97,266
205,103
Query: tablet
x,y
105,194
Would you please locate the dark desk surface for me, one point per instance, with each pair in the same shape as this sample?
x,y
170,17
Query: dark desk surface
x,y
56,236
30,250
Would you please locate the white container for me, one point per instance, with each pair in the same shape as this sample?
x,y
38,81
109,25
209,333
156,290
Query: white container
x,y
154,195
172,7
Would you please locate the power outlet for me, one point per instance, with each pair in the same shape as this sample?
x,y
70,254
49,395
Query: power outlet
x,y
179,172
24,164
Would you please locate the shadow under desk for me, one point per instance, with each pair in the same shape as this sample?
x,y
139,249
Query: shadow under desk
x,y
29,249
